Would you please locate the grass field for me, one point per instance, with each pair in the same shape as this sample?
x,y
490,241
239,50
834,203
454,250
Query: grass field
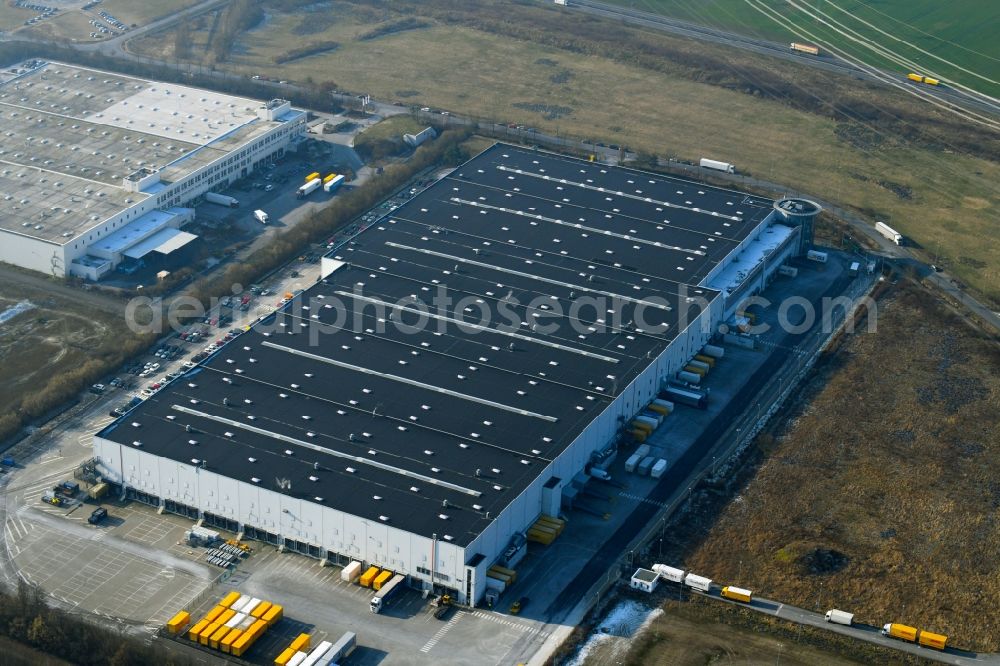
x,y
880,496
945,200
13,17
692,634
952,38
143,11
60,336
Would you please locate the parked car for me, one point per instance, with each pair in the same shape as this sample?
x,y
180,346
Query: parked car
x,y
97,515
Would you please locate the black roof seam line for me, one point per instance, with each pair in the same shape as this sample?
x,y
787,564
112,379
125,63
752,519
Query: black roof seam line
x,y
333,452
577,225
367,412
519,336
510,271
618,193
410,382
431,350
504,245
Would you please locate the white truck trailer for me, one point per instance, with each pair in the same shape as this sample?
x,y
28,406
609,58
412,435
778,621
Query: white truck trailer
x,y
260,216
382,596
840,617
672,574
716,165
309,188
889,233
699,583
222,200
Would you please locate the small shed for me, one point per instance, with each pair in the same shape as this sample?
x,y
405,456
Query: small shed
x,y
644,579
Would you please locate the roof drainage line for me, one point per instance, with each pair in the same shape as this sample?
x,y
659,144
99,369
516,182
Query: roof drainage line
x,y
604,190
430,350
323,449
395,419
496,299
577,225
487,329
410,382
427,225
510,271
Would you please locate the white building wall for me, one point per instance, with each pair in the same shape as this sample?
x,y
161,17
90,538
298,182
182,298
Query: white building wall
x,y
370,541
750,238
32,253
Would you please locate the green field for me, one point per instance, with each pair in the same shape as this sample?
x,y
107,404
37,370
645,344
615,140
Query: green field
x,y
962,35
142,12
944,199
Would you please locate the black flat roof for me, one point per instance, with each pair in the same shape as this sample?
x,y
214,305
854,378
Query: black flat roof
x,y
435,426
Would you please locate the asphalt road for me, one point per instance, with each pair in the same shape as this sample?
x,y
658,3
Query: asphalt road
x,y
863,632
778,50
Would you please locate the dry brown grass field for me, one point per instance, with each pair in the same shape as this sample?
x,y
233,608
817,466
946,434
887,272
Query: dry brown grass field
x,y
881,495
944,198
700,633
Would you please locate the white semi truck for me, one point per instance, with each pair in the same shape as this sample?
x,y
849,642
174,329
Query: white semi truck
x,y
382,596
222,200
309,188
716,165
889,233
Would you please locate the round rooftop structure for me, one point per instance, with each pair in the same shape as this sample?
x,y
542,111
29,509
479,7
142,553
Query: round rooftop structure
x,y
795,210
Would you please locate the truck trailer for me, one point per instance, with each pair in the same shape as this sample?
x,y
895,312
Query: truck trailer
x,y
716,165
672,574
840,617
333,182
737,594
222,200
699,583
309,188
382,596
685,396
900,631
889,233
260,216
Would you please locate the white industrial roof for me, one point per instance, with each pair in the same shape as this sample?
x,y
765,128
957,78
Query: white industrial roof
x,y
69,135
164,241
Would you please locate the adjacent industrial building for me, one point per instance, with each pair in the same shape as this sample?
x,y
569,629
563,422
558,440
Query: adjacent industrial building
x,y
97,169
458,370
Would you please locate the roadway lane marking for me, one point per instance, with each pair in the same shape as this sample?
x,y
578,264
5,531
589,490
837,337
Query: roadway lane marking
x,y
780,606
441,632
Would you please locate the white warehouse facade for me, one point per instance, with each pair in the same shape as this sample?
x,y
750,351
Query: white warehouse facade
x,y
97,168
373,419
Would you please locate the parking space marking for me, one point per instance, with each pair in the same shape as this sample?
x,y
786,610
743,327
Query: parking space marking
x,y
500,619
441,632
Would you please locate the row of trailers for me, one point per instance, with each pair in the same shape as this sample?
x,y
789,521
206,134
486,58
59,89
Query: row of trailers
x,y
684,391
648,579
232,626
327,653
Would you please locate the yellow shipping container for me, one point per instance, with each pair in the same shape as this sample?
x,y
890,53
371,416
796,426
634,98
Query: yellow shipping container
x,y
641,425
178,622
262,608
639,435
915,77
368,576
314,174
931,82
207,632
241,644
329,177
701,372
226,644
216,638
928,639
381,579
283,658
301,642
214,613
197,629
274,613
705,359
229,599
659,409
226,616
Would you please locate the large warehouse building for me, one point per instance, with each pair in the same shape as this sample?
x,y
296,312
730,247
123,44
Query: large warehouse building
x,y
96,168
378,418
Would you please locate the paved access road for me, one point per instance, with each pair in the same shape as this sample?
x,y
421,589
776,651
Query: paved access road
x,y
859,631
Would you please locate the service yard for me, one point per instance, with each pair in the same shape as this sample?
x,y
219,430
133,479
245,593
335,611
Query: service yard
x,y
877,495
